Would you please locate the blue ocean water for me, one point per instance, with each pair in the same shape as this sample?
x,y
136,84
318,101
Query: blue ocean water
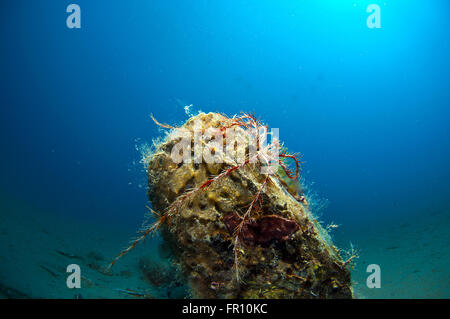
x,y
367,108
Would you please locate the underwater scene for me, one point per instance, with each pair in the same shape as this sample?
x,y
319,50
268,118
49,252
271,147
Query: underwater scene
x,y
225,149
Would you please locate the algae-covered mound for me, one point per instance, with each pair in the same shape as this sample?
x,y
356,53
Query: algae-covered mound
x,y
236,230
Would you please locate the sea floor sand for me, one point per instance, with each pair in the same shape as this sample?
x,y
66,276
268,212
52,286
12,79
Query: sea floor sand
x,y
36,247
413,255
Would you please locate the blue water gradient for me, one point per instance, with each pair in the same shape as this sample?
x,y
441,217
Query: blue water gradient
x,y
368,108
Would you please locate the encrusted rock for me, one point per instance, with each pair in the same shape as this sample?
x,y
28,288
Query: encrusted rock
x,y
281,251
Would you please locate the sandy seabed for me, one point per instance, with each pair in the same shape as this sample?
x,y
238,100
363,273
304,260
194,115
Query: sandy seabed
x,y
36,247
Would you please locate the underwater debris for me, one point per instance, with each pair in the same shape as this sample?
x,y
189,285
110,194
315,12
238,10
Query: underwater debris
x,y
94,261
86,282
235,224
69,255
154,273
135,294
52,272
12,293
166,278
